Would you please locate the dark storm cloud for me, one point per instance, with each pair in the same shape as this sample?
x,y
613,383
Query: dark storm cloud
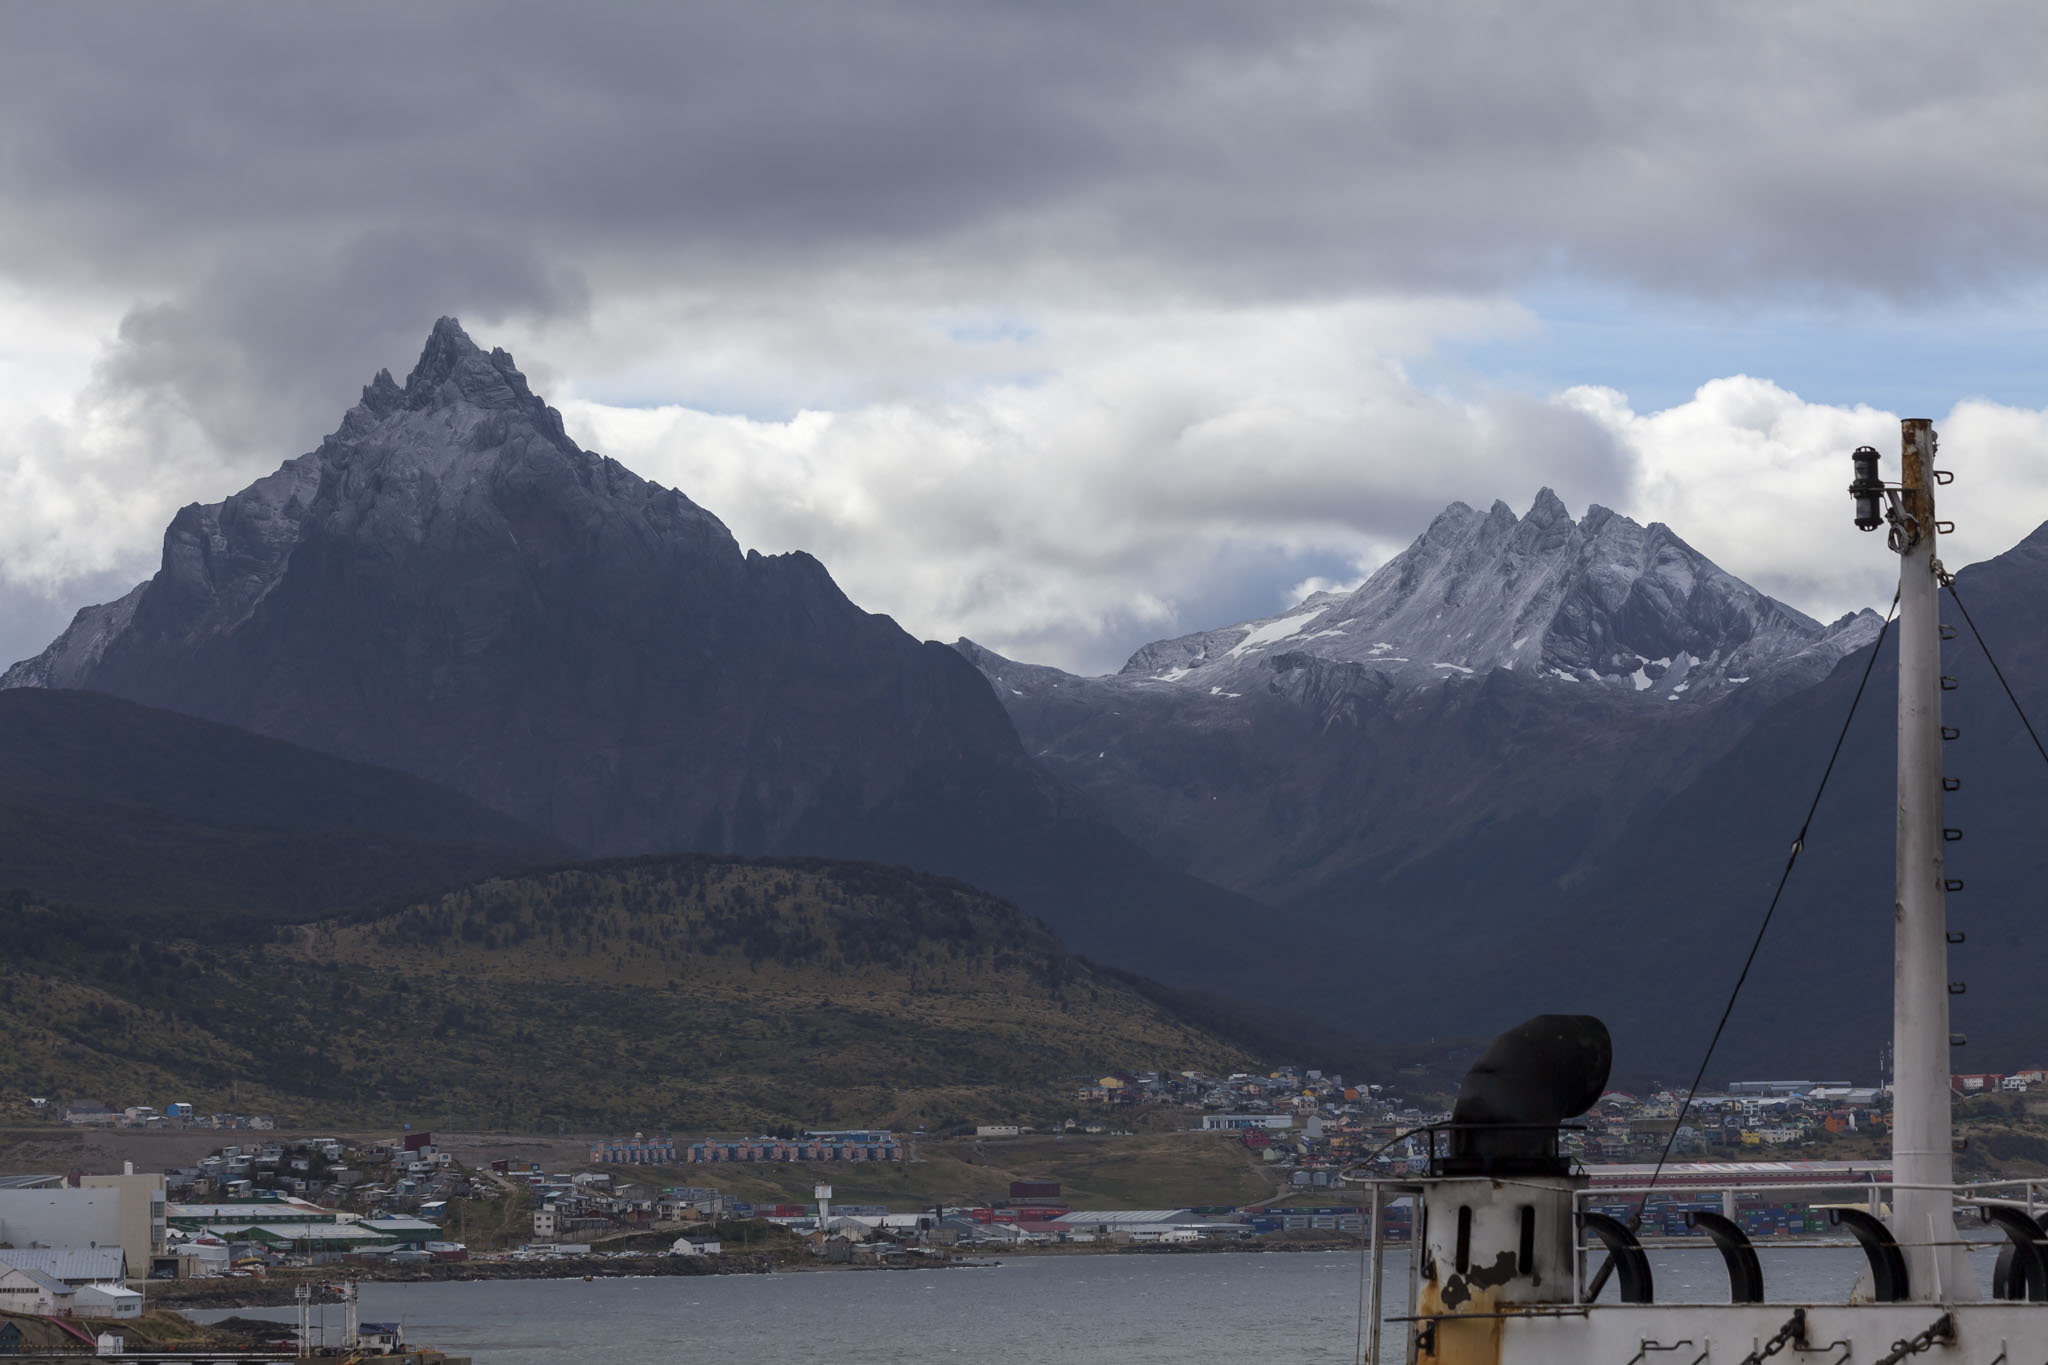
x,y
1110,304
285,329
1291,147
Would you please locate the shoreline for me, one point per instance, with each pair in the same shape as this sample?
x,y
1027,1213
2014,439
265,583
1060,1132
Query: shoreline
x,y
277,1291
274,1291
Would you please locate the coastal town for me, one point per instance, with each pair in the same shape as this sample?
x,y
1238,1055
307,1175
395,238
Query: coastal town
x,y
262,1210
267,1200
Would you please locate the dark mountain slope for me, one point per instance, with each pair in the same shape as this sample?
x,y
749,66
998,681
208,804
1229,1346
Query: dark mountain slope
x,y
451,587
1453,748
132,808
91,746
1655,944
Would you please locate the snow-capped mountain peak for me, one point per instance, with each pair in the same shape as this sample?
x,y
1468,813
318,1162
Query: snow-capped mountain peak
x,y
1601,600
442,456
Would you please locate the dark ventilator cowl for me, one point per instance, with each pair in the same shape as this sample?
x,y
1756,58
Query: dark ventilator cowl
x,y
1530,1080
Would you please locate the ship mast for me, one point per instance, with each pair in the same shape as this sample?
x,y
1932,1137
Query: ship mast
x,y
1923,1164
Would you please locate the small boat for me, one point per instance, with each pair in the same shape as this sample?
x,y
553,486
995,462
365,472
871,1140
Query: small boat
x,y
1504,1241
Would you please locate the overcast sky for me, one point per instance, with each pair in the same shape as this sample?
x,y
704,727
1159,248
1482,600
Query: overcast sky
x,y
1063,326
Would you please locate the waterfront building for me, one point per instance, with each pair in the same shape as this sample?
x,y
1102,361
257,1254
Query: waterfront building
x,y
1237,1123
106,1301
61,1218
125,1211
74,1267
23,1290
141,1200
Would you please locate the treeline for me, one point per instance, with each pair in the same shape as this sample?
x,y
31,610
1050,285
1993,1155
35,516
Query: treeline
x,y
796,912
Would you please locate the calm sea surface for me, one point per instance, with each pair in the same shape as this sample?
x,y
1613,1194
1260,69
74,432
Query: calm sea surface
x,y
1070,1310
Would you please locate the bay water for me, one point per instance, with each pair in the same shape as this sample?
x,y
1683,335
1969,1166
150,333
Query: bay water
x,y
1124,1309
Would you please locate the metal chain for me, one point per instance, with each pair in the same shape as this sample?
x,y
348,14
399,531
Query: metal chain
x,y
1793,1330
1904,532
1942,1332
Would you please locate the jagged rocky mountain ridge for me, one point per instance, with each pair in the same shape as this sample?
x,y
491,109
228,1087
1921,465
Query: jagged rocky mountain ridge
x,y
1655,940
1602,600
450,587
1461,740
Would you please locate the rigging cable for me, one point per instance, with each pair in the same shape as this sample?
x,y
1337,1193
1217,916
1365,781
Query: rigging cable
x,y
1948,580
1635,1221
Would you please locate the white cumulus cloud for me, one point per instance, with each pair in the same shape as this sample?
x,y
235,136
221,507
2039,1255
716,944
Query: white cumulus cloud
x,y
1152,476
1757,478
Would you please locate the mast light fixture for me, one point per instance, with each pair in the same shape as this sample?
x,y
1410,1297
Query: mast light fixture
x,y
1867,488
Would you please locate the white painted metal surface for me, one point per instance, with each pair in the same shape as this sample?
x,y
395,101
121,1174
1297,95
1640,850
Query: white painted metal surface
x,y
1491,1243
1923,1166
1730,1334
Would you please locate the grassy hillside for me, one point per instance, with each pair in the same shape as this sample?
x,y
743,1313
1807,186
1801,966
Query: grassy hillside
x,y
688,993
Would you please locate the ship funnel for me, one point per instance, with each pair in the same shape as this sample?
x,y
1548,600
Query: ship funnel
x,y
1530,1079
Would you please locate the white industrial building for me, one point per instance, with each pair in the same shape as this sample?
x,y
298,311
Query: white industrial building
x,y
61,1218
106,1301
31,1291
57,1284
73,1266
125,1211
1237,1123
1144,1225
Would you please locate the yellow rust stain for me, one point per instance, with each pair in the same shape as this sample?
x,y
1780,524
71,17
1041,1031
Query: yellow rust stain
x,y
1464,1337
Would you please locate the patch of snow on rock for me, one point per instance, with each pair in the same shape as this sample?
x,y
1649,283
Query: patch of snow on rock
x,y
1273,631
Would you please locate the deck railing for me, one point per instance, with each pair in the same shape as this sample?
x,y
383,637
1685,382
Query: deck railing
x,y
2010,1213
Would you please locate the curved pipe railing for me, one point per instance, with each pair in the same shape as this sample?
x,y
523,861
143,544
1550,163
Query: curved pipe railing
x,y
1632,1266
1745,1272
2022,1270
1888,1283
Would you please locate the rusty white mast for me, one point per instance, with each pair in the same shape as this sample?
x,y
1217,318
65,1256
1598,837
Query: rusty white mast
x,y
1923,1164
